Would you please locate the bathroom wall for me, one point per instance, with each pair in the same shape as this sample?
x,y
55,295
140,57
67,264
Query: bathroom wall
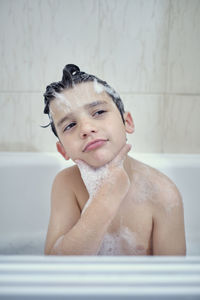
x,y
149,51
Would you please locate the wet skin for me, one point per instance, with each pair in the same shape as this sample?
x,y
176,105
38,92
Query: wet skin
x,y
149,219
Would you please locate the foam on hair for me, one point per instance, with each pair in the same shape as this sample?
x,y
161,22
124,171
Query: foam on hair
x,y
72,76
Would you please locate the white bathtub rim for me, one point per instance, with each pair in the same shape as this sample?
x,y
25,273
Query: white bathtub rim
x,y
161,160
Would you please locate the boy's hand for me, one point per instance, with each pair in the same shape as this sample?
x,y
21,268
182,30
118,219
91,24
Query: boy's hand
x,y
110,180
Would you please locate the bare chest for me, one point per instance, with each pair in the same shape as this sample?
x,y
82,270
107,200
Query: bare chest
x,y
130,232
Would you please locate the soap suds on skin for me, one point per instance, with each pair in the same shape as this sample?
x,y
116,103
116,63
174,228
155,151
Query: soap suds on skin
x,y
121,243
92,177
64,105
99,88
147,190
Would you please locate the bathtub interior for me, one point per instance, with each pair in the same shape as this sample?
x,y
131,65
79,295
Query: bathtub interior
x,y
26,180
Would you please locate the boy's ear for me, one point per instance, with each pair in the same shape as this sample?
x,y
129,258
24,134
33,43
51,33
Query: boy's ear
x,y
129,124
61,150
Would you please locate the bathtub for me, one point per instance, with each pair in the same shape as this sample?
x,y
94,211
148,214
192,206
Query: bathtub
x,y
25,184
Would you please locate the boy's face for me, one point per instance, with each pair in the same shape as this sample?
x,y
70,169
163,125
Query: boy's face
x,y
89,125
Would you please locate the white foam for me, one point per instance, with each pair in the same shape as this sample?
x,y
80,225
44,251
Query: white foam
x,y
111,245
71,100
122,242
92,177
62,102
150,187
99,88
112,92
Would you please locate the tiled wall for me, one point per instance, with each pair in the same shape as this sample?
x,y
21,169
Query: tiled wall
x,y
149,51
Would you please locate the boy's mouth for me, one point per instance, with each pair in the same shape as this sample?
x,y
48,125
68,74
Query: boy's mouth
x,y
94,144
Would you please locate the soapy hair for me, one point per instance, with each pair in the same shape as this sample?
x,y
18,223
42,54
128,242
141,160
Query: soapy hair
x,y
71,77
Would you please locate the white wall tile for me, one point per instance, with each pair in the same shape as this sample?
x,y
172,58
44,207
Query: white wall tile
x,y
147,113
39,37
147,50
133,44
21,117
182,125
184,47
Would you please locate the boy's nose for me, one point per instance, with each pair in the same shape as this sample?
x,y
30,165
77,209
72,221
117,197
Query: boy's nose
x,y
87,129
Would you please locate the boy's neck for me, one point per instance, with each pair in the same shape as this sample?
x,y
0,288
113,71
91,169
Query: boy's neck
x,y
127,166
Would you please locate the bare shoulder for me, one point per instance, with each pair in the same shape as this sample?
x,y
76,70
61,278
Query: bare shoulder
x,y
65,210
66,183
161,189
67,178
167,195
165,202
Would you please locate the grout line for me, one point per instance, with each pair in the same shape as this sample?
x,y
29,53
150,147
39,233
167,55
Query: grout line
x,y
166,81
20,92
160,94
122,92
168,47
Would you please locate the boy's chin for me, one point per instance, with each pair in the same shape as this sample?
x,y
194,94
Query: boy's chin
x,y
94,163
98,165
99,162
98,159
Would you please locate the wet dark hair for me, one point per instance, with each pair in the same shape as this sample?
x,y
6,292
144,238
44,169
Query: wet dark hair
x,y
72,76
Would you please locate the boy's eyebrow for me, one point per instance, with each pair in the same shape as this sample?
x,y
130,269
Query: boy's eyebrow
x,y
65,118
86,106
95,103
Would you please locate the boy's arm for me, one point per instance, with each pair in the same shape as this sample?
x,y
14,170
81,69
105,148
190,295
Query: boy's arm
x,y
168,230
71,233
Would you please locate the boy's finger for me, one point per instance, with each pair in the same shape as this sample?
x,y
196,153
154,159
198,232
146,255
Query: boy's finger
x,y
122,153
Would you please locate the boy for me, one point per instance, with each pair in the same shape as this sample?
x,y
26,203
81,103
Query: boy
x,y
108,203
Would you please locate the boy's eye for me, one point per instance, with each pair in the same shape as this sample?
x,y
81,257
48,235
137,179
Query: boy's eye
x,y
99,112
68,127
